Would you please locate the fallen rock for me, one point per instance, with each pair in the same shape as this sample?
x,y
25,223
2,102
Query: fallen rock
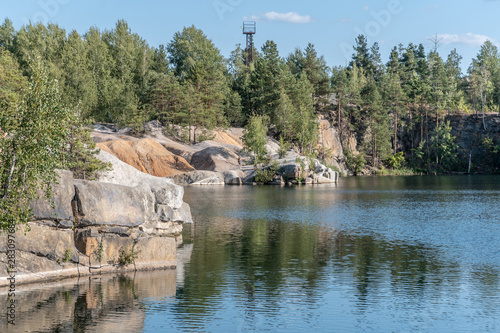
x,y
181,214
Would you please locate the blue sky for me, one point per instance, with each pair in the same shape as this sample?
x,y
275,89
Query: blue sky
x,y
330,25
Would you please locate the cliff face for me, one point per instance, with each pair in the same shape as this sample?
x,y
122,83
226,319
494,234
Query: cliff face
x,y
100,227
469,132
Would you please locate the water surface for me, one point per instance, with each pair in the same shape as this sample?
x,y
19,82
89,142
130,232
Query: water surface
x,y
385,254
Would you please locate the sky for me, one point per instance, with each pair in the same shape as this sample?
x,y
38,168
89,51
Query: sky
x,y
331,26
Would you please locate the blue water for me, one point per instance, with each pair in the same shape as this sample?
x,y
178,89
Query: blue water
x,y
385,254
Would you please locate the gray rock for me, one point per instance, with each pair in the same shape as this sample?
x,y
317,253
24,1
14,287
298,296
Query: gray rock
x,y
233,177
63,194
210,181
215,159
182,214
277,180
111,204
290,171
124,174
65,224
189,178
169,194
327,178
43,241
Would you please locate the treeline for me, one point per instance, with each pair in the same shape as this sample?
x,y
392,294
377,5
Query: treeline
x,y
393,109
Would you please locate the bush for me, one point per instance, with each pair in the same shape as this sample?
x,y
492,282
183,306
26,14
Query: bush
x,y
396,161
355,163
284,147
127,256
266,175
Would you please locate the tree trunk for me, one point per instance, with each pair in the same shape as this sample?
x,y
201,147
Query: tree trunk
x,y
396,128
9,178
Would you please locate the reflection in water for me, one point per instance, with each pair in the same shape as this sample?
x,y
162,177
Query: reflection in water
x,y
387,254
107,303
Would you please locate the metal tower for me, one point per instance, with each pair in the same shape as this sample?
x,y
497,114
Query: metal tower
x,y
249,29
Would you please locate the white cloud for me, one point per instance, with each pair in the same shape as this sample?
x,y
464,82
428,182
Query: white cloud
x,y
290,17
468,39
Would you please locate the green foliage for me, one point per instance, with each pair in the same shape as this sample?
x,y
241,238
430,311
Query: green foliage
x,y
127,256
67,255
80,152
492,153
33,147
254,136
266,175
396,161
444,148
99,251
355,163
284,147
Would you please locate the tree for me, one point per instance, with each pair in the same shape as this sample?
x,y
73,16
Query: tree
x,y
489,61
33,147
316,70
361,56
200,66
12,85
265,81
100,64
254,137
7,33
79,88
444,147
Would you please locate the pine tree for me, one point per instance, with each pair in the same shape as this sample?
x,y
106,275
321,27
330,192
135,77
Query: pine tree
x,y
200,67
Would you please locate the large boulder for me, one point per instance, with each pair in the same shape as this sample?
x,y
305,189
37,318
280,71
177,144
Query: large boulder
x,y
59,207
199,178
215,159
234,177
162,192
290,170
124,174
147,155
110,204
170,195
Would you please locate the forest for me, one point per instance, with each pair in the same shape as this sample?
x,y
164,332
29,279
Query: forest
x,y
395,109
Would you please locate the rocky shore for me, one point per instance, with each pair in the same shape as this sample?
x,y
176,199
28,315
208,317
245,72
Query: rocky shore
x,y
128,220
132,217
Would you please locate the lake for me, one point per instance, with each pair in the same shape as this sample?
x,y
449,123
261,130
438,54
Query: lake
x,y
371,254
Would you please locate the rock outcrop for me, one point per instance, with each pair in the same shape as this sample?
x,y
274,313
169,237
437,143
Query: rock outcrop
x,y
330,147
218,159
114,227
110,204
147,155
59,207
199,178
